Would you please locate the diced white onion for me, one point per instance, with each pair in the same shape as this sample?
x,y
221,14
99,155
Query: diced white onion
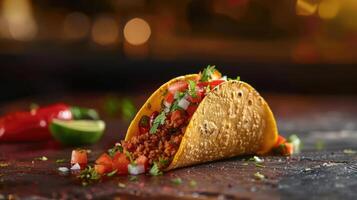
x,y
224,78
63,169
183,103
76,167
136,169
167,104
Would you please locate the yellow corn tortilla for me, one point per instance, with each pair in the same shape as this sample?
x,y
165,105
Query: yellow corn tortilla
x,y
231,120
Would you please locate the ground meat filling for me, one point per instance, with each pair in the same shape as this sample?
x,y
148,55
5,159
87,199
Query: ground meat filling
x,y
163,144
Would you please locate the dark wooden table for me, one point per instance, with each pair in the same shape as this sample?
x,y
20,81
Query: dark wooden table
x,y
324,170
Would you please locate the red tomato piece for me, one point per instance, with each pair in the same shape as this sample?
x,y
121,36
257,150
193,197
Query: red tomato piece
x,y
144,124
289,149
178,86
105,160
279,141
143,160
214,83
202,84
169,98
100,169
120,163
79,156
195,99
191,109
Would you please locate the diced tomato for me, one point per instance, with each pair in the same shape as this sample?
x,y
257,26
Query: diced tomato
x,y
191,109
79,156
152,117
143,160
100,169
169,98
289,149
178,86
120,163
202,84
105,160
195,99
280,141
143,130
214,83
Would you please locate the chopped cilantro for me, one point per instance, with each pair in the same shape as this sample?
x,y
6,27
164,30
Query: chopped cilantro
x,y
192,88
128,155
175,106
155,171
238,78
207,73
61,160
112,173
88,175
259,176
163,162
159,120
115,149
176,181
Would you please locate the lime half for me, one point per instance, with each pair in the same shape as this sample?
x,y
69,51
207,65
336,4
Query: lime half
x,y
77,132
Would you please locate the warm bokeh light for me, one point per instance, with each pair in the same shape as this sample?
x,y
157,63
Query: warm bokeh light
x,y
19,19
306,7
137,31
76,26
105,30
328,9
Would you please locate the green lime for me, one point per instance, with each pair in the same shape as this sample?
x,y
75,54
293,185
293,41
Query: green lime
x,y
77,132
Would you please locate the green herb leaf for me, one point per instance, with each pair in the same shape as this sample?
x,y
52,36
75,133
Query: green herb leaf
x,y
155,171
115,149
159,120
112,173
192,88
207,73
128,155
163,162
88,175
238,78
259,176
176,181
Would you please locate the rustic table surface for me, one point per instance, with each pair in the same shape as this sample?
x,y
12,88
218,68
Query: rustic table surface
x,y
325,169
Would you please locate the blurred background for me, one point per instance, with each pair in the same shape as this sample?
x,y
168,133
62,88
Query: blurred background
x,y
56,48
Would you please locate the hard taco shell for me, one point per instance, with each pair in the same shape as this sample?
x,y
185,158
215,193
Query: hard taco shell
x,y
231,120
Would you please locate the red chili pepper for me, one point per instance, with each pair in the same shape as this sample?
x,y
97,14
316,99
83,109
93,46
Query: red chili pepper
x,y
33,125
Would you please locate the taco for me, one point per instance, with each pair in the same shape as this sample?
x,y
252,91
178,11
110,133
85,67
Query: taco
x,y
199,118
